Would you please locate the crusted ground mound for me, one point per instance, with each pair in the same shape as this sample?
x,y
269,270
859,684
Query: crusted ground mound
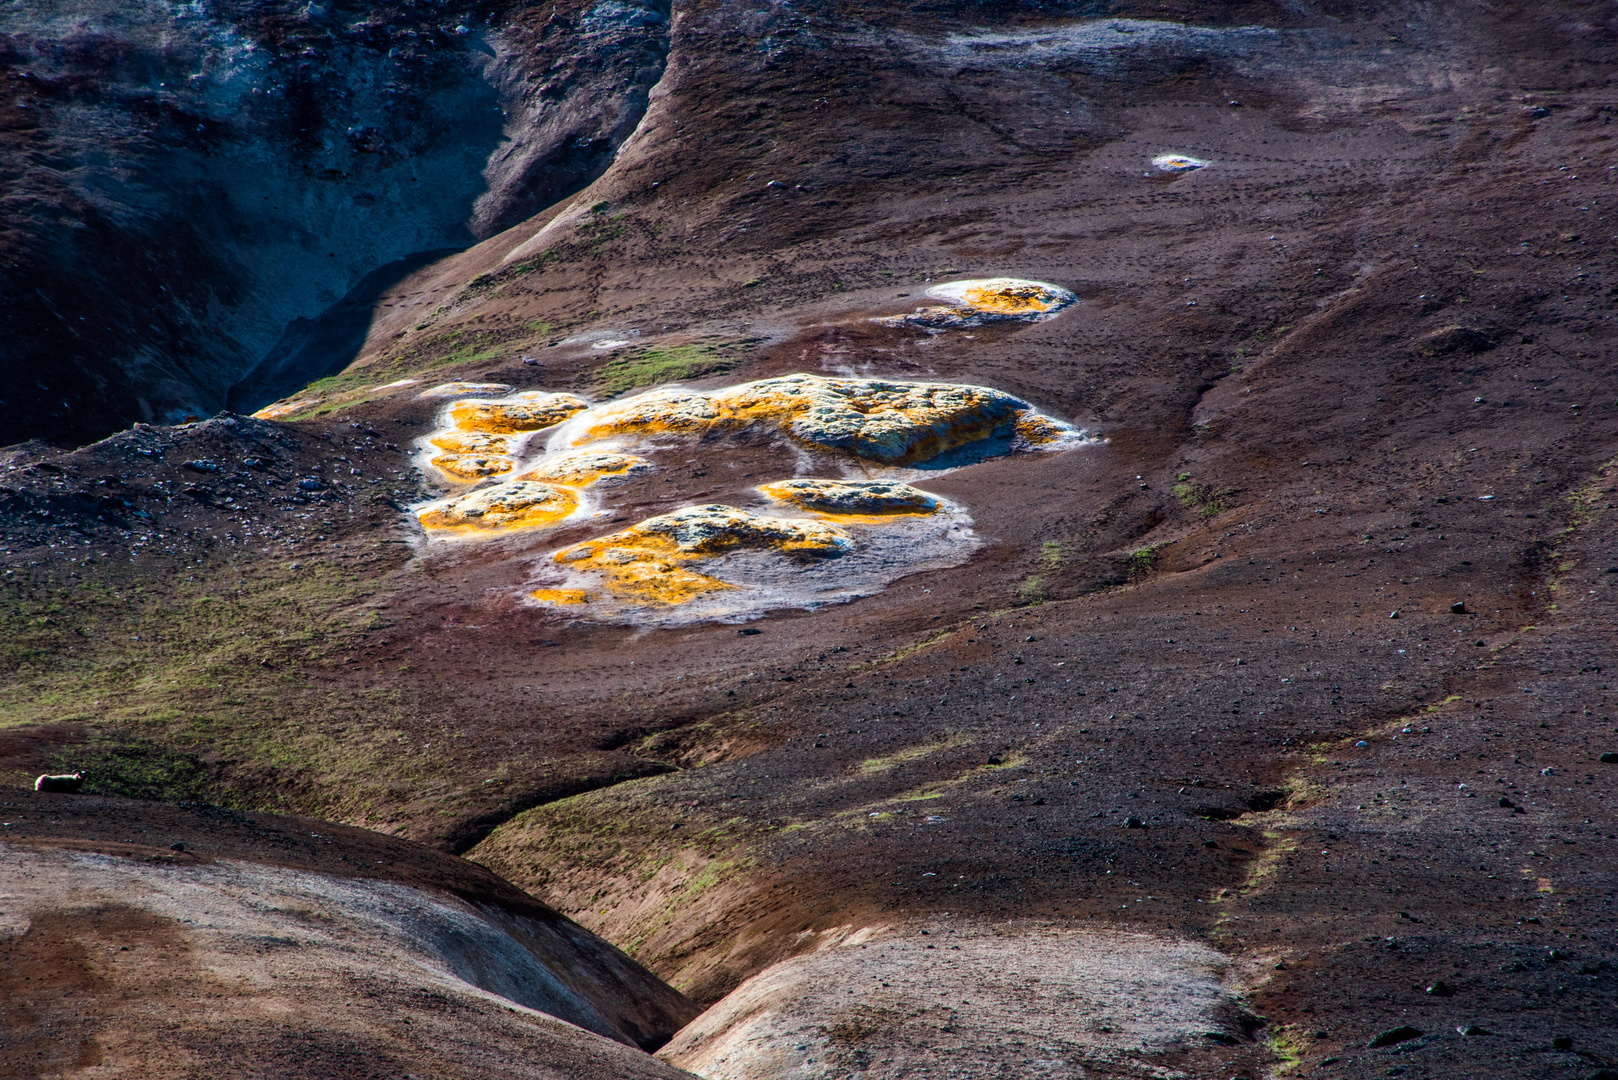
x,y
853,497
642,563
974,303
887,423
524,504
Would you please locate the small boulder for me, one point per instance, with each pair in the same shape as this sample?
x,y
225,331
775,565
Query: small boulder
x,y
1609,758
1441,989
1134,823
1395,1036
1459,608
1454,339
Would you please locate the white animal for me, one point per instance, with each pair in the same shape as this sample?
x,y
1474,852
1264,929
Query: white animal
x,y
69,782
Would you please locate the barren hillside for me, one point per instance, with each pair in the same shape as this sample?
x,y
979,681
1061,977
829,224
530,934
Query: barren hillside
x,y
977,540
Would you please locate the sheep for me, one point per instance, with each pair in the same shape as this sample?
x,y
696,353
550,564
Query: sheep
x,y
70,782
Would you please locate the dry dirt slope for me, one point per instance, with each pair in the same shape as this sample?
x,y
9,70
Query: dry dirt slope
x,y
1356,366
151,940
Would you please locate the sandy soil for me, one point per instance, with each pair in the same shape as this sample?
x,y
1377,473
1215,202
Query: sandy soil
x,y
989,999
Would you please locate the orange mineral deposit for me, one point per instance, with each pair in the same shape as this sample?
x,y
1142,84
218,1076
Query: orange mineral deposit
x,y
504,507
582,468
643,562
860,498
473,466
520,412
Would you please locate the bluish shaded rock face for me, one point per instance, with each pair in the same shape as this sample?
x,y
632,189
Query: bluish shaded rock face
x,y
201,197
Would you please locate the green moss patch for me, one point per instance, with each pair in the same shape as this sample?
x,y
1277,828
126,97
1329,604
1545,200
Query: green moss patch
x,y
648,367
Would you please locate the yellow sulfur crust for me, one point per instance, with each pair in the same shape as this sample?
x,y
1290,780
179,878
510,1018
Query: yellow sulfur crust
x,y
853,498
583,468
1019,299
1035,429
286,408
895,423
986,300
642,562
562,596
502,508
473,466
524,412
468,442
652,413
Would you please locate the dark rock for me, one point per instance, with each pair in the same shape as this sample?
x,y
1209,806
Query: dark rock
x,y
1455,339
1609,758
1506,802
749,631
1563,1042
1395,1036
994,759
1473,1029
178,845
1603,1074
1134,823
1441,989
1458,608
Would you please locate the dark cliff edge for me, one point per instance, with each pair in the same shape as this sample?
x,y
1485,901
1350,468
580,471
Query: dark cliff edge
x,y
198,199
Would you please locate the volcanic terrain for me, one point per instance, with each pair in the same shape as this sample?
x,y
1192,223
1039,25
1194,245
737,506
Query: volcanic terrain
x,y
971,540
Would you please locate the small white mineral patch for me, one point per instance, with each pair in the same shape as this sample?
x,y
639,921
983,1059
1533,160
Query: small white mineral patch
x,y
984,300
466,389
1178,163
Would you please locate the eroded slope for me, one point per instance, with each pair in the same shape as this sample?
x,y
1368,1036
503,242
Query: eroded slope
x,y
1354,365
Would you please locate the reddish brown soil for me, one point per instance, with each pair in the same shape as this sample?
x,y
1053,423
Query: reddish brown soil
x,y
1359,365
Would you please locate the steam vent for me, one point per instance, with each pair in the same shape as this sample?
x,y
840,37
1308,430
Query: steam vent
x,y
645,540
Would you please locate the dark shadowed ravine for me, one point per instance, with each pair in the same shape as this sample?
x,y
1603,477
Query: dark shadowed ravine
x,y
189,186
